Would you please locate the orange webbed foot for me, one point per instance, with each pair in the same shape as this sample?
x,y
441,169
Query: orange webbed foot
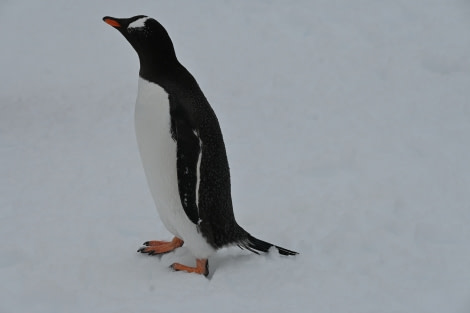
x,y
155,247
202,267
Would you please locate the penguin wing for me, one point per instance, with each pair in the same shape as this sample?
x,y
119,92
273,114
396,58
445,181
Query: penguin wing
x,y
188,154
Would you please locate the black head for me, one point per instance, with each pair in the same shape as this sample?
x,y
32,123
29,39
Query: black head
x,y
149,39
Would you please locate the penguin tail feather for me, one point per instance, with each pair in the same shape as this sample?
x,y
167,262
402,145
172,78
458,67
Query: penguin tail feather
x,y
254,245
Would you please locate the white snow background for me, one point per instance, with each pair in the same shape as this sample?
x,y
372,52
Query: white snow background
x,y
347,126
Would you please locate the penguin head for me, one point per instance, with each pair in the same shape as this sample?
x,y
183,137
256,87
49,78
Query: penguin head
x,y
148,38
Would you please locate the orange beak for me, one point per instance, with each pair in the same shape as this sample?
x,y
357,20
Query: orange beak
x,y
111,22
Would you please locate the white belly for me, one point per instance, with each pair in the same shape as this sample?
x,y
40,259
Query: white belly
x,y
158,153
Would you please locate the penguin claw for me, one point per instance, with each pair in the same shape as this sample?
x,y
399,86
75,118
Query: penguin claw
x,y
146,250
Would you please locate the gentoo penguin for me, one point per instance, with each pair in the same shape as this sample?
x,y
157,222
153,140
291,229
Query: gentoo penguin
x,y
182,151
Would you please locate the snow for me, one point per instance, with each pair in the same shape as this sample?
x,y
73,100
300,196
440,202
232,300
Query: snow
x,y
138,23
347,128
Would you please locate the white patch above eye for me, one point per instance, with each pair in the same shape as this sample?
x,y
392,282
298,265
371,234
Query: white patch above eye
x,y
138,23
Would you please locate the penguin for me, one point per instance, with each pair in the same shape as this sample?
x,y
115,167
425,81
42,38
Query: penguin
x,y
182,151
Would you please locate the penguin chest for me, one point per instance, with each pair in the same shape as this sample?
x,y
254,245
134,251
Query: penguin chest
x,y
158,152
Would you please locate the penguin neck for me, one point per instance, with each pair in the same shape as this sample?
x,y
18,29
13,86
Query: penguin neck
x,y
161,72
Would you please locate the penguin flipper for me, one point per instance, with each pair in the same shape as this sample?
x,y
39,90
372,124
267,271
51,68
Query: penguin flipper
x,y
188,153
